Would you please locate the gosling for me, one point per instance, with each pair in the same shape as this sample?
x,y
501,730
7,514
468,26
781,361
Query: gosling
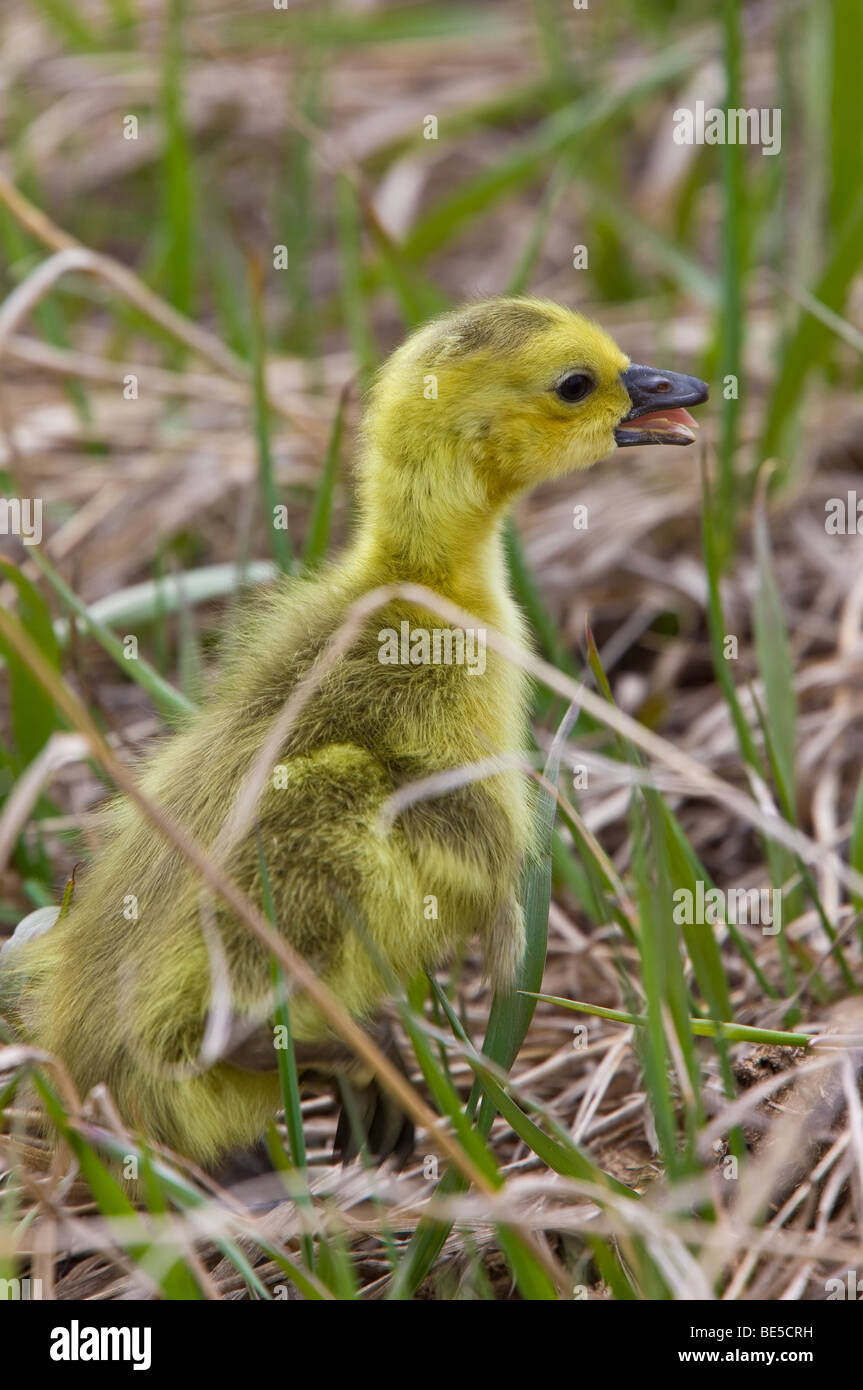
x,y
473,409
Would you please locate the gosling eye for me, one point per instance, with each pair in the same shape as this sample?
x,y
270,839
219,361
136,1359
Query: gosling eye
x,y
575,387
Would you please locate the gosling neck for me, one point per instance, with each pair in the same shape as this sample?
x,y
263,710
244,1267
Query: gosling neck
x,y
440,531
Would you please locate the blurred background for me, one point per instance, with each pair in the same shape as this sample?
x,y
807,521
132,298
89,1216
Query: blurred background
x,y
216,220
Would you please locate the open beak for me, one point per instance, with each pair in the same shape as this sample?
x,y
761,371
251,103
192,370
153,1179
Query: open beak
x,y
659,401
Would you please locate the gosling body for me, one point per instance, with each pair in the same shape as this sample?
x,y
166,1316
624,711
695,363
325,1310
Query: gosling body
x,y
467,414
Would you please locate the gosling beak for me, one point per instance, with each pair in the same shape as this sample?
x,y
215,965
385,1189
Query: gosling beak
x,y
659,400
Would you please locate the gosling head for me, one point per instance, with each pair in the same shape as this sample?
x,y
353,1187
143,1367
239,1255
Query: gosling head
x,y
500,395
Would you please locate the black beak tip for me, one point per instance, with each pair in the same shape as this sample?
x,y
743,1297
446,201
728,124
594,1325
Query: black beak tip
x,y
651,389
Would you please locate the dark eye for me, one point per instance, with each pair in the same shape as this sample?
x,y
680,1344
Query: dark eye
x,y
575,387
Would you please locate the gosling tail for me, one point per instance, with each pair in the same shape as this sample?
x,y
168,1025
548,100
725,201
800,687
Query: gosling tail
x,y
15,965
